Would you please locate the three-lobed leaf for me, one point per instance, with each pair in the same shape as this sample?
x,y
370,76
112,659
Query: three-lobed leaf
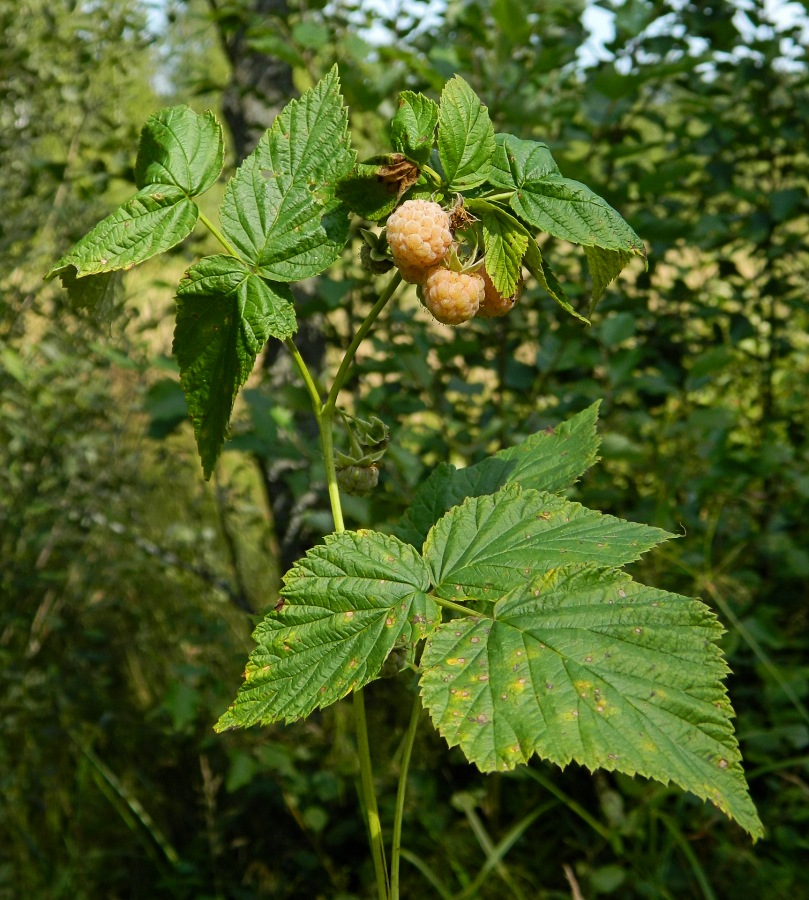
x,y
466,141
225,315
586,665
347,604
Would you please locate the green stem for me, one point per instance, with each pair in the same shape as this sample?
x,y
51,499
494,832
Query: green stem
x,y
396,848
359,337
324,424
506,195
324,413
448,604
308,380
369,797
217,234
431,174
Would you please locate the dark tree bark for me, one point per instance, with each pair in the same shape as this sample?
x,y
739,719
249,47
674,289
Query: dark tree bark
x,y
259,85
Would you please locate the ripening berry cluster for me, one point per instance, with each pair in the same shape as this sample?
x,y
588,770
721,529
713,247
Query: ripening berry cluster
x,y
419,236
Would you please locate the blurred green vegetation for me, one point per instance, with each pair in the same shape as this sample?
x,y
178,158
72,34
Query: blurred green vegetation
x,y
128,586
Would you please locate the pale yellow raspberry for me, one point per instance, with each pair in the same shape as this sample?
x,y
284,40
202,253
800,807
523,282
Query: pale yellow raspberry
x,y
418,234
413,274
494,304
452,297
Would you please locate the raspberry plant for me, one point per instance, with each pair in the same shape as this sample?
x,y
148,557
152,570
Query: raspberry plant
x,y
506,599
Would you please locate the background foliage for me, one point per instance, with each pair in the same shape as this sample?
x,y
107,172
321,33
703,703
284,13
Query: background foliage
x,y
124,621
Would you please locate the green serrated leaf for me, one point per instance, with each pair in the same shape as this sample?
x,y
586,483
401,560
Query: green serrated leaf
x,y
491,544
365,194
277,230
225,314
571,211
98,294
505,241
555,459
156,219
466,142
605,267
412,130
310,145
279,209
180,148
517,161
536,264
547,461
589,666
347,604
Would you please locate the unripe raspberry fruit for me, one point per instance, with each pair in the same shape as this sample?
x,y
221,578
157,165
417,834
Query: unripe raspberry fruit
x,y
452,297
374,266
494,304
418,234
358,481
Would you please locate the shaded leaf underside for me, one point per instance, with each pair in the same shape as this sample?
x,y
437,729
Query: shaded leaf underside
x,y
225,315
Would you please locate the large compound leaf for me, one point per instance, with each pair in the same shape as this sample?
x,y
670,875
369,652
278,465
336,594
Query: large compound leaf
x,y
491,544
465,136
279,210
225,314
347,604
517,161
571,211
589,666
156,219
180,148
412,130
547,461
